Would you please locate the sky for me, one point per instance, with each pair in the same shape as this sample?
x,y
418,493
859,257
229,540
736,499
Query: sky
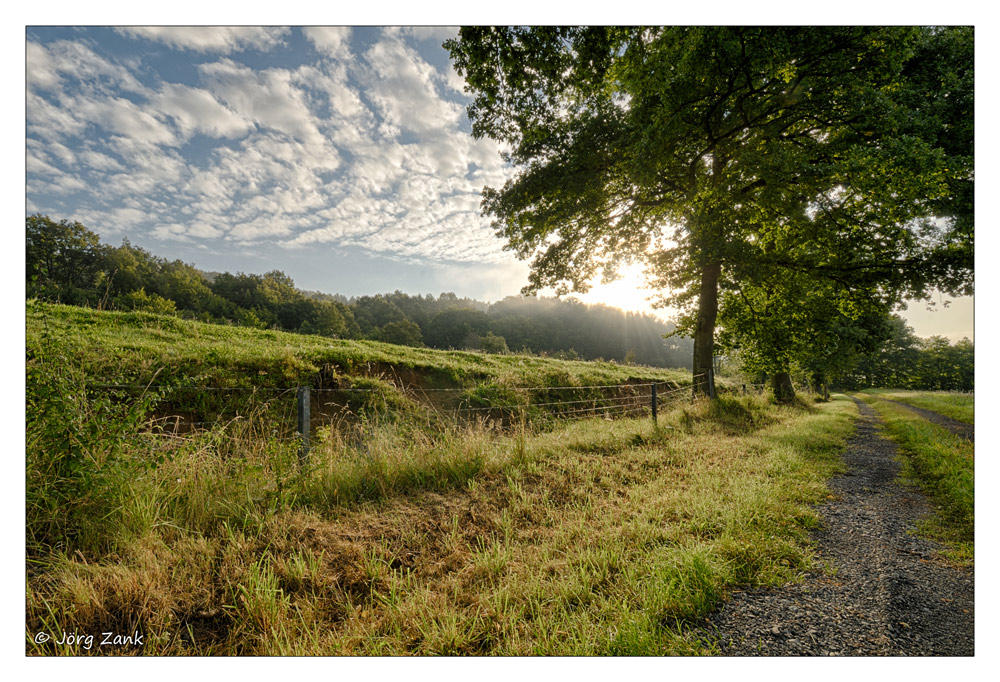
x,y
342,156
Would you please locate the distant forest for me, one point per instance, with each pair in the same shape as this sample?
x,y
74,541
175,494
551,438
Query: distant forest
x,y
67,263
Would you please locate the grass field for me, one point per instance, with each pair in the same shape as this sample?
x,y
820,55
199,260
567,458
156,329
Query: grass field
x,y
943,465
600,538
399,535
960,406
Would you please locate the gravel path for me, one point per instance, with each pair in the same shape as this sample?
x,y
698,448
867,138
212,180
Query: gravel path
x,y
890,595
953,425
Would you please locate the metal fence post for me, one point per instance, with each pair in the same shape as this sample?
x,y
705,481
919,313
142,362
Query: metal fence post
x,y
303,400
652,401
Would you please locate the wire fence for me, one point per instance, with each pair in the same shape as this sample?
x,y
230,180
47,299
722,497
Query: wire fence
x,y
294,414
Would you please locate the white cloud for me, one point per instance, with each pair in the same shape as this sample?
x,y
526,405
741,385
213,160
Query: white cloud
x,y
49,120
364,152
268,98
149,170
47,64
62,152
68,184
268,225
403,87
41,70
125,118
438,34
296,154
132,216
332,41
34,163
331,79
204,230
100,162
454,81
220,39
171,231
195,110
184,233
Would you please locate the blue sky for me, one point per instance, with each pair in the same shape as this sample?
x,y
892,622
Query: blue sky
x,y
342,156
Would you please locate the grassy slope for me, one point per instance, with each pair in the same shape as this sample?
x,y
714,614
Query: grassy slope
x,y
960,406
143,347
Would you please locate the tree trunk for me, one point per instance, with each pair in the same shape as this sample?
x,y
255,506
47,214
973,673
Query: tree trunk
x,y
704,333
820,385
781,384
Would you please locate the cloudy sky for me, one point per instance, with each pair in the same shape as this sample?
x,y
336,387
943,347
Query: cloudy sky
x,y
342,156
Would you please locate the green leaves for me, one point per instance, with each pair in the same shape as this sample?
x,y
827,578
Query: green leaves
x,y
777,153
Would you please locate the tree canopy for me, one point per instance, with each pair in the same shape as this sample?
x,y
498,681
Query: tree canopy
x,y
725,156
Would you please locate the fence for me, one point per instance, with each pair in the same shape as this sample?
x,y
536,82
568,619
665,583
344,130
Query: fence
x,y
308,408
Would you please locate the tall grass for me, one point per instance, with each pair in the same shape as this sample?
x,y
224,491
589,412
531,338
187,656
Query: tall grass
x,y
401,534
595,537
84,455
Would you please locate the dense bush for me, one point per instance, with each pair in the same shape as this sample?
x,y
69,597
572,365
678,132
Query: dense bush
x,y
83,450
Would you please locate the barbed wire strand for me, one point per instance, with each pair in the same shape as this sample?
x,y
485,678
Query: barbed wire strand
x,y
374,388
600,406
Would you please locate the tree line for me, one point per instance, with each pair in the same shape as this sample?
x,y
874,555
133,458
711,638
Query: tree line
x,y
906,361
68,263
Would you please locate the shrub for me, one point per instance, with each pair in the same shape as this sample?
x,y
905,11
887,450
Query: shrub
x,y
81,453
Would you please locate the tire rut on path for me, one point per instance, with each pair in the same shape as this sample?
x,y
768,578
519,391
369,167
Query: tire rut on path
x,y
889,593
958,428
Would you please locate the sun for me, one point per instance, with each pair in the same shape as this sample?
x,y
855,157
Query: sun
x,y
628,292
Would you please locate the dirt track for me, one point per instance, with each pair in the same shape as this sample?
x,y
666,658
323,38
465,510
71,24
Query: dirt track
x,y
953,425
889,593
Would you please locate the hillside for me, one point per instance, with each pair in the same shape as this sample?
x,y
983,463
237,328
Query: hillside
x,y
144,348
400,533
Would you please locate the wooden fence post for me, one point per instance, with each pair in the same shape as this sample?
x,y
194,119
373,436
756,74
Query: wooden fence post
x,y
303,400
652,401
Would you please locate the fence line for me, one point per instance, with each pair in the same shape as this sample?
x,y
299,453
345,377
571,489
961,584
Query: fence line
x,y
560,402
177,387
597,406
600,406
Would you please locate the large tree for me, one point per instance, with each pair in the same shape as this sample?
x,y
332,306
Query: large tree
x,y
801,320
720,155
